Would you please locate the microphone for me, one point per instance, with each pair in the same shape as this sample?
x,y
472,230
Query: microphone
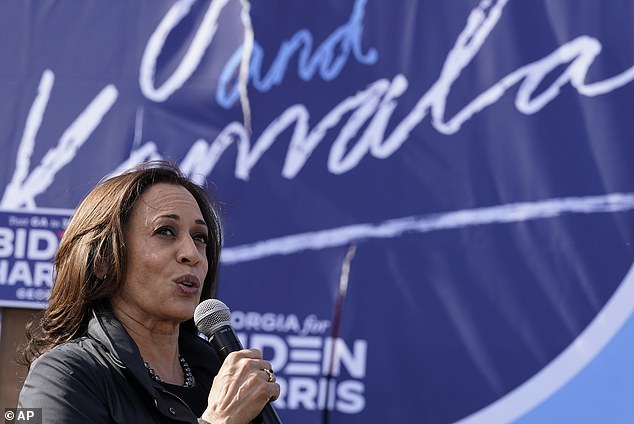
x,y
213,319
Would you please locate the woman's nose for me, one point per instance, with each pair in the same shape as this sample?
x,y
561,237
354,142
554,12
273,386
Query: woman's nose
x,y
188,251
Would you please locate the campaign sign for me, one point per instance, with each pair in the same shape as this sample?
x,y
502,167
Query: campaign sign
x,y
28,242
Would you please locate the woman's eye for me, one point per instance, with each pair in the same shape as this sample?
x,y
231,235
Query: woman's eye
x,y
165,231
201,238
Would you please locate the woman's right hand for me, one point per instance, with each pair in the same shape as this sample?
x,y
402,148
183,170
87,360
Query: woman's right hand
x,y
241,389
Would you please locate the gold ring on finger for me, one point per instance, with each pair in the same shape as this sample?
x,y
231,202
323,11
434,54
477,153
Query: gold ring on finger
x,y
269,374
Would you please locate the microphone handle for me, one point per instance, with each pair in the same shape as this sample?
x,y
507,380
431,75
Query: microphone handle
x,y
224,341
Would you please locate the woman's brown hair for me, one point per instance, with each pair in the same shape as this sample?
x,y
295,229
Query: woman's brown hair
x,y
91,259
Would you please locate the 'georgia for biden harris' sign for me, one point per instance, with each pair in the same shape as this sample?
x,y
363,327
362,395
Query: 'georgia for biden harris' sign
x,y
427,206
28,242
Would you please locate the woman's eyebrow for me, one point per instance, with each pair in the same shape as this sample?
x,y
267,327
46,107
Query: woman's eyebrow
x,y
177,218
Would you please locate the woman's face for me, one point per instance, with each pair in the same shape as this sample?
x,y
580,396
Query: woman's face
x,y
166,238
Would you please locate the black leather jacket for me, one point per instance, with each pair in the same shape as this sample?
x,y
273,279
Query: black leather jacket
x,y
100,378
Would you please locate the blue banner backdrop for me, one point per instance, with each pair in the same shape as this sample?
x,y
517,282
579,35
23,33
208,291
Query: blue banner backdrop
x,y
428,205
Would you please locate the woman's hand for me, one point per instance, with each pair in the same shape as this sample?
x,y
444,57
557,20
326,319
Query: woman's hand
x,y
241,389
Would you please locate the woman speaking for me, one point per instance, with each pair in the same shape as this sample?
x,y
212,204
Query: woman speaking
x,y
117,343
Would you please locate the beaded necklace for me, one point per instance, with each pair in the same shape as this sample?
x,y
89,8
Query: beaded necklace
x,y
189,378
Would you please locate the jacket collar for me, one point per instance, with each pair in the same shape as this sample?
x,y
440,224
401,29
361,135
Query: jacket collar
x,y
110,333
123,352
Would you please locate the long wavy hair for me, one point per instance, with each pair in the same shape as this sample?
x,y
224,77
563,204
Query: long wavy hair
x,y
90,262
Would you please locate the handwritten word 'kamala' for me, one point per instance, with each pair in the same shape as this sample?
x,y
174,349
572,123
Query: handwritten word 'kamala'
x,y
374,106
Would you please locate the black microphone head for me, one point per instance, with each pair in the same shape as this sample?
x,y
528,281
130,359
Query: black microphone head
x,y
210,315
